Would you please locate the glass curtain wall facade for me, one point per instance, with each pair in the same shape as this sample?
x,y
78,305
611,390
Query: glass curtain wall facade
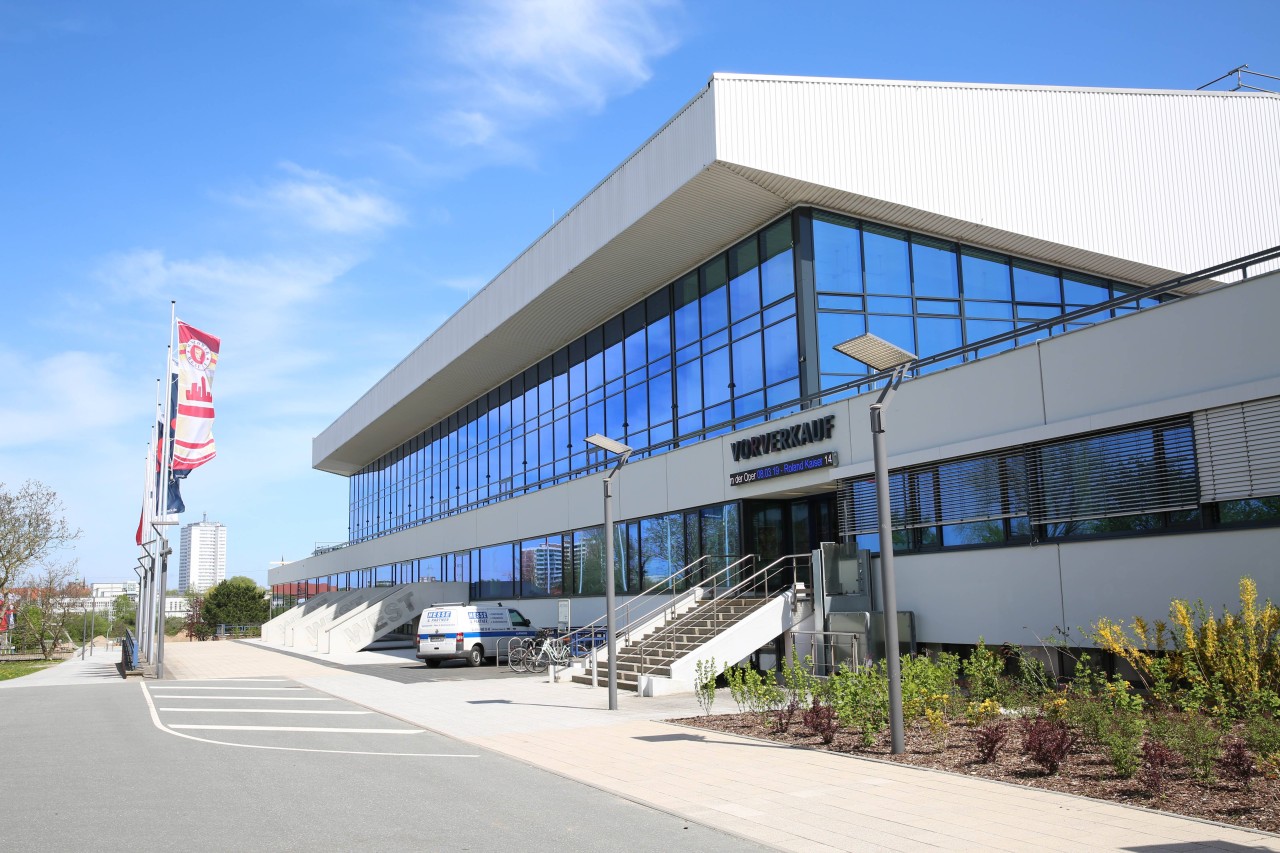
x,y
746,335
647,551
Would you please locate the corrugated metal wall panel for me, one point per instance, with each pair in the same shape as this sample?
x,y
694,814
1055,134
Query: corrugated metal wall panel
x,y
1174,180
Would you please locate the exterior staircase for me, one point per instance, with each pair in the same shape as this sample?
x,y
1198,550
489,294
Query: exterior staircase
x,y
653,654
722,620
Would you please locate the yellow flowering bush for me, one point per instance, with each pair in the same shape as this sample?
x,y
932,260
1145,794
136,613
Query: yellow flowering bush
x,y
1223,664
981,713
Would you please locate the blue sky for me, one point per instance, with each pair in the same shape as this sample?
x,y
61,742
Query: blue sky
x,y
322,183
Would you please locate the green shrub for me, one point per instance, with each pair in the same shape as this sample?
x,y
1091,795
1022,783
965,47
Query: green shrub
x,y
1122,739
929,683
735,676
1262,736
1193,736
801,683
1033,680
861,700
704,684
982,672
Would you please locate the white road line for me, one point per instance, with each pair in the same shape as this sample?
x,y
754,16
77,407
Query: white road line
x,y
264,711
196,687
169,696
242,680
301,729
155,721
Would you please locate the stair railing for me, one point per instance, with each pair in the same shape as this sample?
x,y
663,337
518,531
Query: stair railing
x,y
714,609
627,616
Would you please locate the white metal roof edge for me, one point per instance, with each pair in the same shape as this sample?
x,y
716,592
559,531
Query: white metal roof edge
x,y
1014,87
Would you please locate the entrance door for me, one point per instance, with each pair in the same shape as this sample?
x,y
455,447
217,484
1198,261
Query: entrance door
x,y
777,528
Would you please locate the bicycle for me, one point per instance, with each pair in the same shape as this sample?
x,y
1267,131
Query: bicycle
x,y
519,653
552,650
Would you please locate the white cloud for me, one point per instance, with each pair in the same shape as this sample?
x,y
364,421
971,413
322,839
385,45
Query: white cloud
x,y
263,308
524,60
69,396
324,203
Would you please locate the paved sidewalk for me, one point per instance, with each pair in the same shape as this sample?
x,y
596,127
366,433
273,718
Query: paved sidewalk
x,y
793,799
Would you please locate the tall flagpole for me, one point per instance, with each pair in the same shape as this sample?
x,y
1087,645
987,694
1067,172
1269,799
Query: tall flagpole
x,y
147,589
164,549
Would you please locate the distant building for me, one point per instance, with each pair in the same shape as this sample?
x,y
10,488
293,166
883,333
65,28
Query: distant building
x,y
113,591
204,556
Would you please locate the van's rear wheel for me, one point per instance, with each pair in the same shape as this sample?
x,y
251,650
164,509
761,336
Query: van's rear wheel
x,y
475,657
432,663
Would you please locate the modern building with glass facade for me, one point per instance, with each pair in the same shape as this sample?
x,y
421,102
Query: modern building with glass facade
x,y
1070,446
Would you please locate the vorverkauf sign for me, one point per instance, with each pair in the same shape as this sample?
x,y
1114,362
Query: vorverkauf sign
x,y
783,469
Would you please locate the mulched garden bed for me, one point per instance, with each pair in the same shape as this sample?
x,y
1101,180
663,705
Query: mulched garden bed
x,y
1086,771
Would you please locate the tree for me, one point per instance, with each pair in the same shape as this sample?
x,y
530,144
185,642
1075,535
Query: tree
x,y
51,596
32,528
124,611
238,601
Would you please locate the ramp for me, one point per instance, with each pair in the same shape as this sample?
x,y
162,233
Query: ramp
x,y
273,631
301,633
359,626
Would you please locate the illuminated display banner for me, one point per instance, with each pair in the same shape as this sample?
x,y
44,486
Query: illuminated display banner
x,y
782,469
819,429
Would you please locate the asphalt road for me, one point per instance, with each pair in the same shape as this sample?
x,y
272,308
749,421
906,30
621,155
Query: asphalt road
x,y
270,765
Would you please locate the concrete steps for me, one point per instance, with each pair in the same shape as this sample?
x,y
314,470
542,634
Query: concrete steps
x,y
653,655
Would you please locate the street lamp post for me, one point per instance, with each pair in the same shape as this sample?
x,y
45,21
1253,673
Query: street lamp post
x,y
880,355
623,452
165,551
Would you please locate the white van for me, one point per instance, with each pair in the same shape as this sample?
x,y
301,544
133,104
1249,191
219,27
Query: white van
x,y
469,631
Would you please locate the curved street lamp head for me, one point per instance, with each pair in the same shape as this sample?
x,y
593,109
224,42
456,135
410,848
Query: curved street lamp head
x,y
875,352
611,446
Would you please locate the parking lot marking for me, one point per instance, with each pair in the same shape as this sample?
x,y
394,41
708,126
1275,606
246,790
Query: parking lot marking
x,y
197,687
169,696
155,721
299,729
251,698
263,711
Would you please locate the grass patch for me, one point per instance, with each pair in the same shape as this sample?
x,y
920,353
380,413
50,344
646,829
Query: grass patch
x,y
19,668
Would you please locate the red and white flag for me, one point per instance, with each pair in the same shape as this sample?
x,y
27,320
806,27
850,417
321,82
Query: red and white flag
x,y
193,423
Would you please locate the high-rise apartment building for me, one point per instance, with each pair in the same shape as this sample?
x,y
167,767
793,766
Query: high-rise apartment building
x,y
204,556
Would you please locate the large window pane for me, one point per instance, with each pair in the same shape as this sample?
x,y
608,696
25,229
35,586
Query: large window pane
x,y
896,330
715,310
934,267
497,572
715,376
542,567
777,277
744,294
985,276
837,256
937,335
748,366
1034,283
689,388
588,561
887,261
781,359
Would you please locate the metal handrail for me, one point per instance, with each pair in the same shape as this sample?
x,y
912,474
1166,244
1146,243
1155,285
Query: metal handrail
x,y
129,651
824,652
714,607
593,628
